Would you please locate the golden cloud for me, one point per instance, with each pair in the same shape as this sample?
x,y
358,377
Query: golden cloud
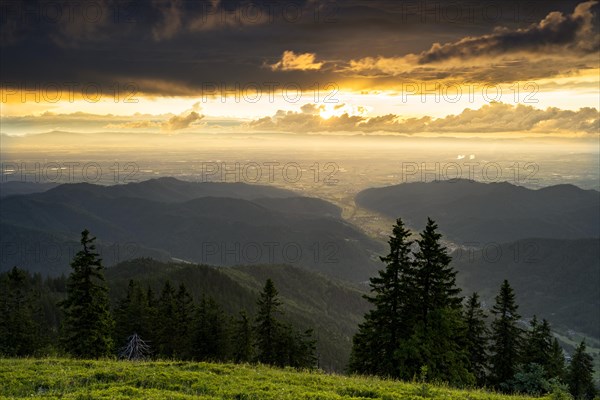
x,y
291,61
494,117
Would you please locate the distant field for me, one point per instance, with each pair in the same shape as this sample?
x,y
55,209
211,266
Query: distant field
x,y
106,379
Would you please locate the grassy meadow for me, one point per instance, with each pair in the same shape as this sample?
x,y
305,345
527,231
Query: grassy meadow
x,y
54,378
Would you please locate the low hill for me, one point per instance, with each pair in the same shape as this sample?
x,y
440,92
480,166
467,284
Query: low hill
x,y
12,188
213,223
172,190
63,378
469,211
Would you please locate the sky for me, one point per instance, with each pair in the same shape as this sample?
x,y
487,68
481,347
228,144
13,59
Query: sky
x,y
370,67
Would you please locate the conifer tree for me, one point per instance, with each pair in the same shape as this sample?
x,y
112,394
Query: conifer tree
x,y
434,277
476,338
166,329
243,339
580,376
20,326
295,348
417,319
556,362
211,332
267,326
305,350
376,344
537,343
183,316
365,347
506,337
134,315
438,338
88,325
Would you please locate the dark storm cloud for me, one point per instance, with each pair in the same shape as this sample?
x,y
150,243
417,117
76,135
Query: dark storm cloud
x,y
572,31
560,43
179,47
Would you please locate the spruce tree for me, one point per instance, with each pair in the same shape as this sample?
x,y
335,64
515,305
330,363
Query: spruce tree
x,y
20,327
133,315
211,336
580,376
267,326
476,338
375,346
166,329
435,279
183,316
438,338
537,342
295,348
538,345
365,348
306,348
556,362
88,325
243,340
506,337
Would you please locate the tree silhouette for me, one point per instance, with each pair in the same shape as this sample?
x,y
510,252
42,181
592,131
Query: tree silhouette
x,y
506,337
580,377
378,339
267,326
88,325
476,338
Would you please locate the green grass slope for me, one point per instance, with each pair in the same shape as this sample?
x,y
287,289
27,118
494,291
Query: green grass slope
x,y
104,379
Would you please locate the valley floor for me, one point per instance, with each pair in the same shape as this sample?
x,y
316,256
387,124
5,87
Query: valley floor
x,y
107,379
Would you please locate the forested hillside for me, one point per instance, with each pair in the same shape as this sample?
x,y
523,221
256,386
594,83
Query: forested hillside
x,y
332,308
210,223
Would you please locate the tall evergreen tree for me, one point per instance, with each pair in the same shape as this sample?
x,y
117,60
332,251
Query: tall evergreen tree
x,y
506,337
538,345
267,326
295,348
476,338
375,346
438,338
166,329
211,332
435,279
364,349
556,362
184,317
20,322
542,349
243,339
580,376
88,325
133,314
